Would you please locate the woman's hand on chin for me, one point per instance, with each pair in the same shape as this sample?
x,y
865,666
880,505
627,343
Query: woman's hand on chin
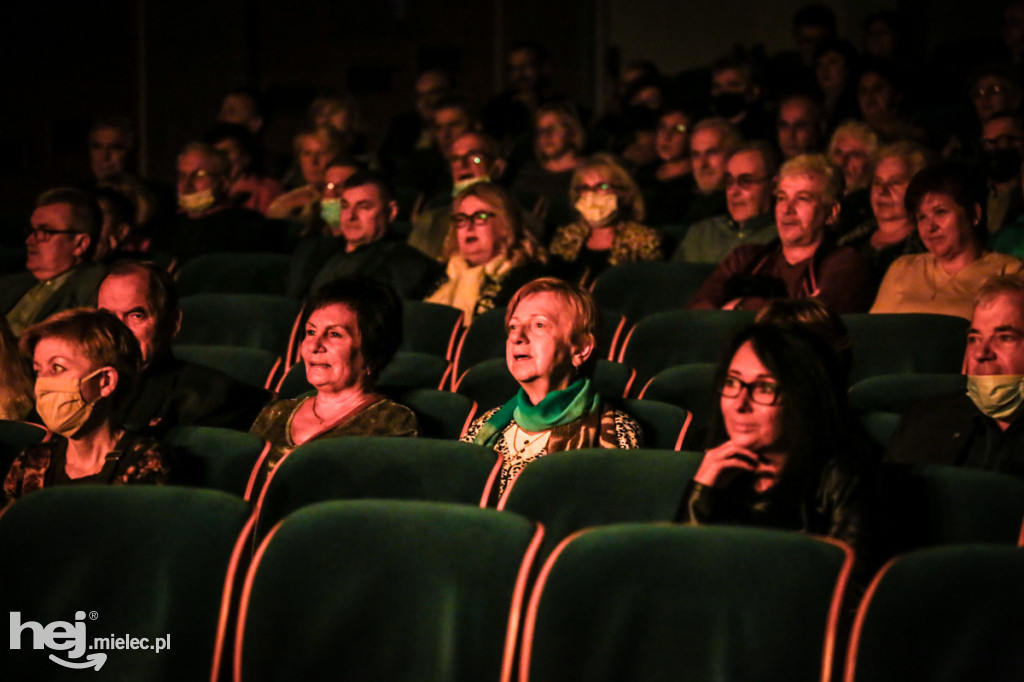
x,y
722,463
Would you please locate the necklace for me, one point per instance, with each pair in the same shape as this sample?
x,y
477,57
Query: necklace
x,y
314,411
537,441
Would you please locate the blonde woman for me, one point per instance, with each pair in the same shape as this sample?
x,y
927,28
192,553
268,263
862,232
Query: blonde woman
x,y
488,252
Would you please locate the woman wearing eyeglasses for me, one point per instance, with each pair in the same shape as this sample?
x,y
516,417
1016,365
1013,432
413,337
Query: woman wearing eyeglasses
x,y
607,233
785,455
489,254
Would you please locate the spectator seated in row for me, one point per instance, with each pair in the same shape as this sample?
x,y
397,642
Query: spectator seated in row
x,y
248,186
711,143
85,363
668,181
353,331
489,254
852,149
65,228
803,262
551,338
366,246
170,392
314,147
948,201
607,233
749,174
16,399
800,126
982,429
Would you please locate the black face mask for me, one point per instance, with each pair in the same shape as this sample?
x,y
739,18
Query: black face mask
x,y
729,104
1001,165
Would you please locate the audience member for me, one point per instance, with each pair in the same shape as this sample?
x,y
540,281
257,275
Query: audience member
x,y
607,232
749,174
885,36
111,143
994,90
801,126
552,329
711,142
980,429
509,114
65,228
249,187
410,130
880,102
737,96
489,255
852,149
16,398
668,182
890,232
85,362
325,221
803,262
425,170
314,149
340,112
836,69
366,246
242,108
948,202
1002,147
207,221
117,233
170,392
352,333
813,25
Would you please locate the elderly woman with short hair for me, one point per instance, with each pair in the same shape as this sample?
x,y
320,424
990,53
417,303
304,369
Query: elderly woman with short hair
x,y
549,350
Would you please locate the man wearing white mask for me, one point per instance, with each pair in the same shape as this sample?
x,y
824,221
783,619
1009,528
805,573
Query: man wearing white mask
x,y
980,429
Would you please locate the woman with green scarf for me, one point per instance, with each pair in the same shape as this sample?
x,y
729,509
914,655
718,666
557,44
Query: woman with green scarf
x,y
551,328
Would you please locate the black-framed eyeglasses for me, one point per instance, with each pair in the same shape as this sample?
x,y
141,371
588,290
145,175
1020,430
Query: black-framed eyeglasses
x,y
43,234
470,159
761,391
599,188
461,220
744,181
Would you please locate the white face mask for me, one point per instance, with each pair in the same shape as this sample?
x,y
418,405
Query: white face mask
x,y
61,405
197,202
597,209
998,395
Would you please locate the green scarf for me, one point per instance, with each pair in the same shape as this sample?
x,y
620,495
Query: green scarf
x,y
557,408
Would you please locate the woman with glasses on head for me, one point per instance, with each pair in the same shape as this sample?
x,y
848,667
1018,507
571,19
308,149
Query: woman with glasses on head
x,y
785,454
489,254
607,233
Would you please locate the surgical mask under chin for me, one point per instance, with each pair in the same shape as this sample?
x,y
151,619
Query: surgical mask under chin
x,y
330,211
997,395
61,405
596,209
461,185
197,202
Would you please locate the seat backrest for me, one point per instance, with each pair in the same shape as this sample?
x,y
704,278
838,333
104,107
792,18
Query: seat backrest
x,y
357,467
219,459
15,436
663,426
905,343
653,602
947,613
637,290
897,392
576,489
246,320
484,339
141,561
430,328
680,337
379,590
440,414
234,273
250,366
691,387
931,504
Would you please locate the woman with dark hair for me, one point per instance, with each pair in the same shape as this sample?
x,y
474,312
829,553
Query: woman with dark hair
x,y
784,453
353,331
86,363
667,183
836,70
947,200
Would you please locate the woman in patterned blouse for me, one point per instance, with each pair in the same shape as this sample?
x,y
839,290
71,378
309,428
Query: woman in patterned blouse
x,y
607,233
549,350
85,362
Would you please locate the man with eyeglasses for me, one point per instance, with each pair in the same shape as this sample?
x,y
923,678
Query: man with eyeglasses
x,y
749,173
711,142
65,228
803,262
367,246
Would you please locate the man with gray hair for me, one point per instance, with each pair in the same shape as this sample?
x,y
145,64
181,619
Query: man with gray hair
x,y
65,228
206,220
802,262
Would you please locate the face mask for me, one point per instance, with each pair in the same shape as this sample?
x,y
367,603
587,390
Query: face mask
x,y
998,396
729,104
197,202
330,211
468,182
1001,165
596,209
60,403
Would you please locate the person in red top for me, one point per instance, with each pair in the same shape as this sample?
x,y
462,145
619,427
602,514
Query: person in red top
x,y
802,262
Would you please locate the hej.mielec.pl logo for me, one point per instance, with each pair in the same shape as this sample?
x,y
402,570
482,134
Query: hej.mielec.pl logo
x,y
70,637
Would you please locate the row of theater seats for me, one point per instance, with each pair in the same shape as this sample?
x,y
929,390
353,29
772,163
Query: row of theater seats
x,y
412,590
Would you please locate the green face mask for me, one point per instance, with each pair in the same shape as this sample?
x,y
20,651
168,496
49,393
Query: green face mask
x,y
330,211
998,395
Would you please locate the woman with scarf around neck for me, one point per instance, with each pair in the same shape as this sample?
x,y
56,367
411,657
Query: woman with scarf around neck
x,y
489,254
85,362
551,336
